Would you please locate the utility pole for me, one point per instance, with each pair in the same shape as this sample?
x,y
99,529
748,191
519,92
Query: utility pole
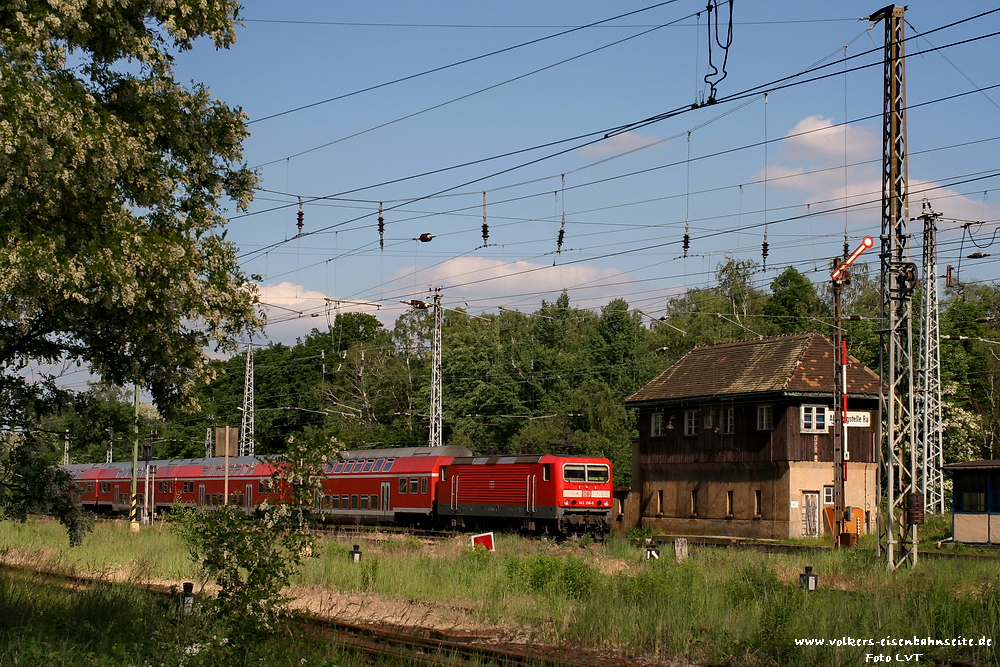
x,y
134,498
66,448
435,430
246,429
841,277
903,505
928,399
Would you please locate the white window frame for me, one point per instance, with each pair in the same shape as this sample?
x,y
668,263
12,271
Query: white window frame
x,y
728,420
808,418
828,495
691,422
765,418
658,425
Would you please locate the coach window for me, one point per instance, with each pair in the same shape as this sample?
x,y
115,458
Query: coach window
x,y
261,486
368,465
340,466
373,502
364,502
357,466
328,469
354,501
388,465
402,485
335,502
343,502
546,472
423,485
378,465
413,485
576,473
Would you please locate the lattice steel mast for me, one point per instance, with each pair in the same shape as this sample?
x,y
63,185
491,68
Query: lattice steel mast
x,y
928,399
435,430
246,428
898,525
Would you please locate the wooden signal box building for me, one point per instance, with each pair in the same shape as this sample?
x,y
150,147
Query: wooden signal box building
x,y
736,439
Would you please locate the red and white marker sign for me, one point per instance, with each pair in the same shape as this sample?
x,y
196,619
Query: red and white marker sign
x,y
485,539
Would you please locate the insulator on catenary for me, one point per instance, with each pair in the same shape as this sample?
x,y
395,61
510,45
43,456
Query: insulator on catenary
x,y
687,239
486,227
301,223
425,237
381,228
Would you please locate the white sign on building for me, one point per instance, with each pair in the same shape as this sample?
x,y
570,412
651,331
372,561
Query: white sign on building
x,y
863,419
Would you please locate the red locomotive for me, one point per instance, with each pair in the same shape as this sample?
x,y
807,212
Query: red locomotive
x,y
433,486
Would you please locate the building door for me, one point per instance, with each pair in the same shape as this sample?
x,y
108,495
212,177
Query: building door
x,y
810,514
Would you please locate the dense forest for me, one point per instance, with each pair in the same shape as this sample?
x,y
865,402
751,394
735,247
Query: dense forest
x,y
550,380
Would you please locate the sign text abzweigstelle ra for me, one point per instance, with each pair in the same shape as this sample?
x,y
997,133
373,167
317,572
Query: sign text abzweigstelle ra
x,y
858,418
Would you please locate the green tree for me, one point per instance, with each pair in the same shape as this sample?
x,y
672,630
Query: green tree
x,y
112,182
794,303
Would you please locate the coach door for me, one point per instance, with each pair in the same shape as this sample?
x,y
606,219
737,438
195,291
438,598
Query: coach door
x,y
385,496
248,496
201,495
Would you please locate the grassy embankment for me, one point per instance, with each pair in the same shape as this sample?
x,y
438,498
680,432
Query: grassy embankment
x,y
720,605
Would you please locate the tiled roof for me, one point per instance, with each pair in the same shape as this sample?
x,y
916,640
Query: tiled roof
x,y
792,363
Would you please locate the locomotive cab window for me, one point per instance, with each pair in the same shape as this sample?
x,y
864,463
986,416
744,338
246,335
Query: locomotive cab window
x,y
575,472
444,473
546,472
597,473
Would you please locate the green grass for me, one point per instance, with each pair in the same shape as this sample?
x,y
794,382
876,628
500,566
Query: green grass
x,y
721,605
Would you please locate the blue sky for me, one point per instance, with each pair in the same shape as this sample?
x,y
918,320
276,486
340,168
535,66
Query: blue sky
x,y
626,200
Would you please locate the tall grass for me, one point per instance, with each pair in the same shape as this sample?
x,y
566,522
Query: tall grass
x,y
720,605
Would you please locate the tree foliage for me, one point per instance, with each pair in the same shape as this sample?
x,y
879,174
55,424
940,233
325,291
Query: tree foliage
x,y
112,182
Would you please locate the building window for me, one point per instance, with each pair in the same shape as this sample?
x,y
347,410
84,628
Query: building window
x,y
728,420
814,418
729,504
694,502
658,426
827,495
764,418
690,422
659,503
758,502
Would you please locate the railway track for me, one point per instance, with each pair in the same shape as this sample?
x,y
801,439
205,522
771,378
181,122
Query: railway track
x,y
408,644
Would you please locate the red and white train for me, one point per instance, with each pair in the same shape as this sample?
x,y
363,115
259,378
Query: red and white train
x,y
434,486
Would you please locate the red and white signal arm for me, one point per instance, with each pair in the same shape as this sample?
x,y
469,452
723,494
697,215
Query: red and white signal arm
x,y
483,539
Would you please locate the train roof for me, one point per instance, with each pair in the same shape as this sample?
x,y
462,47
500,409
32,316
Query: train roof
x,y
524,458
400,452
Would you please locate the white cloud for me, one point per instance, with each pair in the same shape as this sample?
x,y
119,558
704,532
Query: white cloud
x,y
815,139
619,143
293,311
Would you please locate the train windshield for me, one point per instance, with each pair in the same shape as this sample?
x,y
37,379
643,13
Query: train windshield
x,y
597,473
578,473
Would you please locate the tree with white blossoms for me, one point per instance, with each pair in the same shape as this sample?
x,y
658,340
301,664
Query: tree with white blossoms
x,y
113,183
